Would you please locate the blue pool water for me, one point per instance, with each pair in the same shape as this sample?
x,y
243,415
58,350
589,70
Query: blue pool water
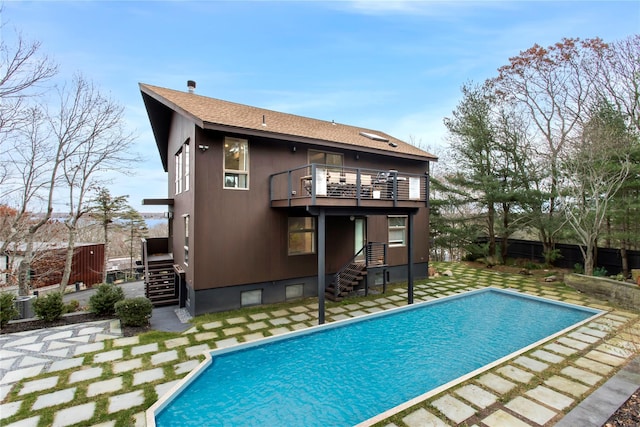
x,y
343,375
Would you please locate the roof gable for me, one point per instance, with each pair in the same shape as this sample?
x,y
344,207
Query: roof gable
x,y
211,113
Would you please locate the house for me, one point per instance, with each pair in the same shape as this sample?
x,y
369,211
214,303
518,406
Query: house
x,y
266,206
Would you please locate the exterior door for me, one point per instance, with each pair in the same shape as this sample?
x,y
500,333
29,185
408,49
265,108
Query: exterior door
x,y
360,234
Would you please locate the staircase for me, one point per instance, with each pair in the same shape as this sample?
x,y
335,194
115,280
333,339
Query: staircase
x,y
346,280
351,277
159,277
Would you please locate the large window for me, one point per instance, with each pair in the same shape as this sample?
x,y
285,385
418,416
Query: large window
x,y
236,163
323,158
302,236
397,230
178,172
186,165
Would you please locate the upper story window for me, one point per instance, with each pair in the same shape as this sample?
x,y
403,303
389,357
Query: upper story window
x,y
236,163
178,172
397,231
186,239
186,165
324,158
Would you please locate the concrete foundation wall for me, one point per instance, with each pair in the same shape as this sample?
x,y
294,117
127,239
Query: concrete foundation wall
x,y
623,294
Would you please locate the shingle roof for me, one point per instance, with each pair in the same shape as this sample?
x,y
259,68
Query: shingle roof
x,y
211,112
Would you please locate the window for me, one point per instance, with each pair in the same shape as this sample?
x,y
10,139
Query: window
x,y
397,230
236,163
178,172
322,158
251,297
186,166
294,291
302,236
186,239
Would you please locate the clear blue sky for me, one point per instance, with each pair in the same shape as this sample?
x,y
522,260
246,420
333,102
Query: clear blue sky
x,y
394,66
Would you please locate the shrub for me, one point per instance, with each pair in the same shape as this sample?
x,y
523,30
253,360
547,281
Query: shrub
x,y
104,300
578,268
72,306
134,311
600,272
49,307
8,310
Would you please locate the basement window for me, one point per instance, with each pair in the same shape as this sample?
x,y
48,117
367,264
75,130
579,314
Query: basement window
x,y
253,297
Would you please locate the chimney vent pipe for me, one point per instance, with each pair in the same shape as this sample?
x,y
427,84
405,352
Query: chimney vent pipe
x,y
191,85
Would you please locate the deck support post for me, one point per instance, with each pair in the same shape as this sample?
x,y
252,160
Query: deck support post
x,y
410,257
321,265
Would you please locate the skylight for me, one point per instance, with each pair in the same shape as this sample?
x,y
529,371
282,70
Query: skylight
x,y
374,136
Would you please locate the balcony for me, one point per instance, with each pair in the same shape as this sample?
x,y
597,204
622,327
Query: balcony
x,y
333,186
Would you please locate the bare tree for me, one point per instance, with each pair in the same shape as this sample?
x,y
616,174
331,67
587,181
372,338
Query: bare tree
x,y
594,170
96,141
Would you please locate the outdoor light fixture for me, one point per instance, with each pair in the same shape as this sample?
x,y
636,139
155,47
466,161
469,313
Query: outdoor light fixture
x,y
203,148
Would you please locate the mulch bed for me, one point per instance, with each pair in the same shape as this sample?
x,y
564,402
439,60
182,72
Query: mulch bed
x,y
32,324
628,415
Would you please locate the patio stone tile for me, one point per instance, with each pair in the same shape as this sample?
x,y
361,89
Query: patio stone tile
x,y
30,361
581,375
515,374
38,385
336,310
618,351
259,316
280,321
108,356
423,418
280,313
236,320
547,357
85,374
368,303
357,313
374,310
299,326
569,342
58,336
226,343
164,357
176,342
531,364
584,337
191,331
74,415
205,336
453,408
530,410
212,325
299,309
396,298
381,301
496,383
89,348
63,365
55,398
185,367
302,317
389,306
125,341
550,398
257,325
148,376
9,409
616,317
594,365
26,422
162,389
143,349
564,384
127,365
477,396
196,350
19,374
598,333
106,424
340,317
103,387
253,337
560,349
233,331
352,307
279,331
501,418
125,401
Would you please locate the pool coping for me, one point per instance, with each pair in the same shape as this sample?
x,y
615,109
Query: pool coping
x,y
172,393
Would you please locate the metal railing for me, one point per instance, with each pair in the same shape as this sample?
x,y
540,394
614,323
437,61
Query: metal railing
x,y
374,254
321,181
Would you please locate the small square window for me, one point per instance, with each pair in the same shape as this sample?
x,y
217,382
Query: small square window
x,y
251,297
294,291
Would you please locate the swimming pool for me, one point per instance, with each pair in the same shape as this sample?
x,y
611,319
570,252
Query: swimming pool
x,y
347,372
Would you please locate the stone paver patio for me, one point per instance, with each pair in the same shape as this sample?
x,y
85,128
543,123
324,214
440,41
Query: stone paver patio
x,y
88,375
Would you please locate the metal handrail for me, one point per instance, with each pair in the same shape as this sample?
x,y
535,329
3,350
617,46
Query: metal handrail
x,y
369,253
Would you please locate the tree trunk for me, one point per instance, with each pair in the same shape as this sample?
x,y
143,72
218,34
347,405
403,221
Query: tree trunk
x,y
23,277
68,263
624,258
491,214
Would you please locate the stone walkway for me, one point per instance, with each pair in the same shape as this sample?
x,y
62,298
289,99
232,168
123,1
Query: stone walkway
x,y
88,375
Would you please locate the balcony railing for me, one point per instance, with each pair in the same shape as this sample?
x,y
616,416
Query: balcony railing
x,y
317,184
